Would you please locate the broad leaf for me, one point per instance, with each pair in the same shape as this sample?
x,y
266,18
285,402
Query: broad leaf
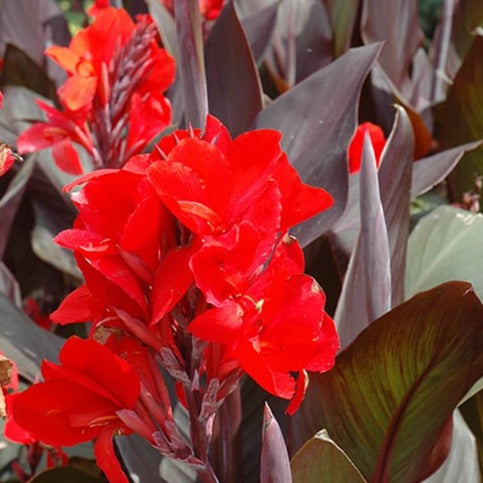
x,y
316,135
258,21
445,245
321,459
234,89
66,473
392,392
11,200
397,24
428,172
463,119
275,465
343,14
24,342
461,466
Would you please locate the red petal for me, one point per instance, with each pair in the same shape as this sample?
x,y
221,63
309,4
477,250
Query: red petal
x,y
78,92
106,457
67,158
171,282
40,136
299,201
104,367
76,307
6,159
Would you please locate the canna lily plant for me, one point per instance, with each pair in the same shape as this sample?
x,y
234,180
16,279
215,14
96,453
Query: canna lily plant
x,y
245,282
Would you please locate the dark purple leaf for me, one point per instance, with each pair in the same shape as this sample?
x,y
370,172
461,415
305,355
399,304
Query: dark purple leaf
x,y
397,24
24,342
165,23
66,473
9,286
258,21
275,464
10,201
316,134
190,61
234,89
395,185
302,41
20,70
393,391
32,27
428,172
367,285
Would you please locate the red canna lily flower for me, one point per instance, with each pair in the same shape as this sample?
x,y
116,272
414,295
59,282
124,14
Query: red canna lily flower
x,y
79,401
6,157
354,152
265,330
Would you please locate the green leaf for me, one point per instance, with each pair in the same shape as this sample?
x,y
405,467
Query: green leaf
x,y
66,473
463,119
343,15
445,245
321,459
389,399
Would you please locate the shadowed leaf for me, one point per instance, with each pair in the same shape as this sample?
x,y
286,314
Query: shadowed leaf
x,y
463,119
66,473
275,465
397,24
321,459
24,342
258,21
234,89
392,392
461,466
428,172
446,245
316,135
343,14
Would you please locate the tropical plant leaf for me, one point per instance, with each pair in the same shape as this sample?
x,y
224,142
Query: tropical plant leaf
x,y
234,88
24,342
190,62
10,201
316,136
258,21
428,172
343,16
321,459
275,464
463,119
367,285
389,399
302,41
396,23
445,245
461,466
395,184
66,473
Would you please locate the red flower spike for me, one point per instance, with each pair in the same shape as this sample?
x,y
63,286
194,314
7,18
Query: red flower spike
x,y
79,399
354,152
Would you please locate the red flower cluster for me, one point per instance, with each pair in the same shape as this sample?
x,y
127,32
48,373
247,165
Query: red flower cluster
x,y
354,153
218,210
187,262
116,77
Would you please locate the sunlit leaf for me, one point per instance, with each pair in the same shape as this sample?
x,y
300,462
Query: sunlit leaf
x,y
321,459
392,392
445,245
